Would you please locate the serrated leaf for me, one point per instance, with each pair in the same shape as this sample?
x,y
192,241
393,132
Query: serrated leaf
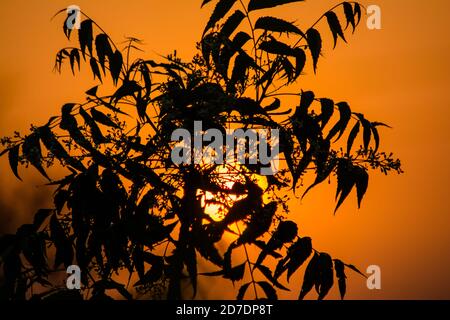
x,y
325,277
103,48
362,182
340,274
74,57
265,4
115,65
221,9
310,277
314,41
85,37
298,253
276,25
300,61
327,109
270,292
348,11
95,69
232,23
352,137
276,47
242,291
13,157
335,26
345,115
268,274
346,182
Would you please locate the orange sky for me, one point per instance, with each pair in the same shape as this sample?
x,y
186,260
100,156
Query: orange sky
x,y
398,75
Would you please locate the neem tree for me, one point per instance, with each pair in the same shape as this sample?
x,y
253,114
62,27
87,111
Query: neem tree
x,y
124,208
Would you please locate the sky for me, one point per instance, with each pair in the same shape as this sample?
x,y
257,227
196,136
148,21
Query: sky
x,y
399,75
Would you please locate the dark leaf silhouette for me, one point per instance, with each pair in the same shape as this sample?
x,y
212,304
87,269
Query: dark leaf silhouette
x,y
310,278
221,9
265,4
115,65
40,216
270,292
100,117
335,26
352,136
103,48
315,45
13,157
242,291
95,69
339,267
362,182
232,23
345,114
325,274
349,15
276,25
327,109
31,149
85,35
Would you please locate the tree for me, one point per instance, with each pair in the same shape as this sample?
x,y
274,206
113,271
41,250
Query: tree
x,y
125,207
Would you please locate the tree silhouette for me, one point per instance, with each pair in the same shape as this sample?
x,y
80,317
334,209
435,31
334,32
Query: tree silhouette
x,y
124,207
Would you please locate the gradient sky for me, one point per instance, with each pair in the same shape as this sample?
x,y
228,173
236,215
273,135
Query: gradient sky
x,y
399,75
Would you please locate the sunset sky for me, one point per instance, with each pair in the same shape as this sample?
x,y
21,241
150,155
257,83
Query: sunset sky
x,y
399,75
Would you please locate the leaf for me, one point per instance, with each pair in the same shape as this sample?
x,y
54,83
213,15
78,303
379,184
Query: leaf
x,y
268,274
362,182
335,26
298,253
96,133
348,11
327,109
355,269
52,144
367,132
115,65
74,57
13,157
325,277
300,61
64,250
40,217
128,88
276,25
221,9
270,292
100,117
31,149
307,98
235,273
340,274
275,105
345,114
357,13
310,277
314,41
352,136
60,199
103,48
242,291
95,69
238,75
276,47
265,4
232,23
92,92
346,181
376,135
85,37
